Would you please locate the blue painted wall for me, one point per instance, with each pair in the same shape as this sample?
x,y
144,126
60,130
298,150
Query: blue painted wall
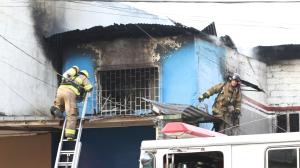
x,y
179,76
190,71
210,69
112,147
185,74
83,61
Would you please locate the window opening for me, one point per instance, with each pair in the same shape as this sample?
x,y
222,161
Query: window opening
x,y
288,122
294,122
122,92
194,160
282,158
281,123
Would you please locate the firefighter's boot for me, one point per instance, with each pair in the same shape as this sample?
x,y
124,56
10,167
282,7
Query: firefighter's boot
x,y
55,112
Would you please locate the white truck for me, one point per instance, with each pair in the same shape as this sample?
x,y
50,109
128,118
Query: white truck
x,y
279,150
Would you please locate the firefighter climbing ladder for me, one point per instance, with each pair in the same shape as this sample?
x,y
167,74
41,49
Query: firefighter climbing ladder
x,y
68,152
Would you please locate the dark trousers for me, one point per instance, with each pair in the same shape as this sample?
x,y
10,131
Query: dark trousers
x,y
226,124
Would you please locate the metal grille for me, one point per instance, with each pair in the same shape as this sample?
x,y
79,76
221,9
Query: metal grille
x,y
281,123
294,122
122,91
288,122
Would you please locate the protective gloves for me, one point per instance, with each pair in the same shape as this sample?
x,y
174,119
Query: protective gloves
x,y
203,96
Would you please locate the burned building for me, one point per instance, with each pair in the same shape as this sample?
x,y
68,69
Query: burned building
x,y
128,64
134,64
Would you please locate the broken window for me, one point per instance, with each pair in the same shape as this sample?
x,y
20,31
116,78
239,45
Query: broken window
x,y
194,160
124,92
288,122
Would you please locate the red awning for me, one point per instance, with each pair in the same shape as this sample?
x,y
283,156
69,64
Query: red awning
x,y
182,130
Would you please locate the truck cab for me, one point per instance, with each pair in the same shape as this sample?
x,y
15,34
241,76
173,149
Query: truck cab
x,y
279,150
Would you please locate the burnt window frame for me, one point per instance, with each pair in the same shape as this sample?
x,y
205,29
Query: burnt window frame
x,y
156,95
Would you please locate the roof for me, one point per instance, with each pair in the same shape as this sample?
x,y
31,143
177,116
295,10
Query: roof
x,y
117,31
210,29
189,113
270,54
183,130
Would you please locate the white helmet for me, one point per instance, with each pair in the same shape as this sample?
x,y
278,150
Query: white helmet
x,y
236,77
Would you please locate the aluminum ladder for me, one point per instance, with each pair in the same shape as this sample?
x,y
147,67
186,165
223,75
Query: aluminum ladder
x,y
68,152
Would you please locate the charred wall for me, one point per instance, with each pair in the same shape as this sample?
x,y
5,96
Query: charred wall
x,y
117,56
48,20
133,52
273,54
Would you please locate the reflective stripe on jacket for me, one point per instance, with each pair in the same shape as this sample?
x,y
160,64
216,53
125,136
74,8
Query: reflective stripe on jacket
x,y
78,83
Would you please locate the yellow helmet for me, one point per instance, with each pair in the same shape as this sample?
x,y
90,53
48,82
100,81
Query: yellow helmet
x,y
85,72
76,68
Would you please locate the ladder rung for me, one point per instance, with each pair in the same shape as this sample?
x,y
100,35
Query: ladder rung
x,y
63,157
64,163
73,140
67,152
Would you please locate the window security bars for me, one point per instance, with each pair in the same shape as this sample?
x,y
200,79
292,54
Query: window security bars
x,y
123,92
288,122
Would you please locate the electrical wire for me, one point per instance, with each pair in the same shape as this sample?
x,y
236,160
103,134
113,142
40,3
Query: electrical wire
x,y
252,120
26,73
193,20
19,95
129,10
120,9
44,64
24,52
133,12
202,1
249,122
93,11
180,1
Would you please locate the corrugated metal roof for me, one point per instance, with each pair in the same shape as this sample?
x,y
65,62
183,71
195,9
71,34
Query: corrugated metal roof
x,y
122,31
188,112
210,29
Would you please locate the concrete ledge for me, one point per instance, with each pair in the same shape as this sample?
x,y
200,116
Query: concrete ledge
x,y
89,122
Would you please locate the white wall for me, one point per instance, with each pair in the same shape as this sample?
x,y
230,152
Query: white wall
x,y
22,94
72,15
251,70
283,79
254,120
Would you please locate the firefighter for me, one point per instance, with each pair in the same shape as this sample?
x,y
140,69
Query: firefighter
x,y
227,105
70,90
67,76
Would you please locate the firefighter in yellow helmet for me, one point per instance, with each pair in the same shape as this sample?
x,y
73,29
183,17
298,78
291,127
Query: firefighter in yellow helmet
x,y
227,105
68,92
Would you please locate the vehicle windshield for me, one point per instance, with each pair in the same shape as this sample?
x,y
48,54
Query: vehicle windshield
x,y
194,160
